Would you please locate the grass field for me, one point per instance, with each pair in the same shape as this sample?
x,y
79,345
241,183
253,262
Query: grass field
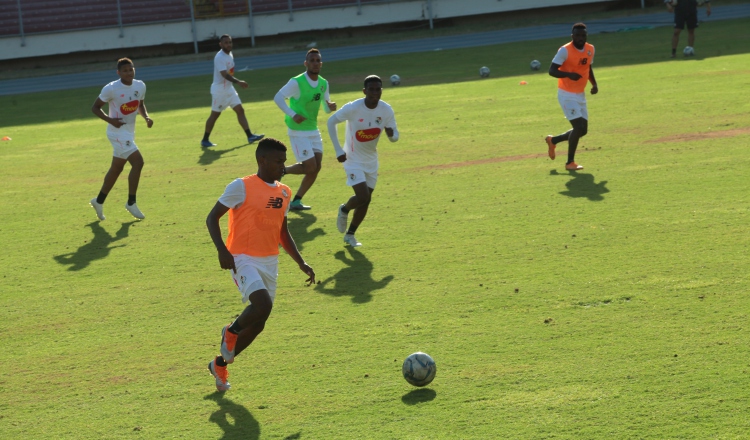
x,y
607,303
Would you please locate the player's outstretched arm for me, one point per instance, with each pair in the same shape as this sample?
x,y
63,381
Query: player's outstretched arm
x,y
143,112
96,109
287,242
226,260
334,135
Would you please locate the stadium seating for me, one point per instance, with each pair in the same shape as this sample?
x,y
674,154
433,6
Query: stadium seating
x,y
43,16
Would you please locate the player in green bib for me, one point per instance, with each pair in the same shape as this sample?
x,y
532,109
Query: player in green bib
x,y
305,92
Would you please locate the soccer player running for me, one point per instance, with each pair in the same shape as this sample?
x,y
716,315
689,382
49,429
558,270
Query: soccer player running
x,y
366,118
572,66
305,92
257,206
223,93
124,98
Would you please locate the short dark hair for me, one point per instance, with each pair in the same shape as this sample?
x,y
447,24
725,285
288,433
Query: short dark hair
x,y
578,26
372,78
123,61
313,50
267,145
225,36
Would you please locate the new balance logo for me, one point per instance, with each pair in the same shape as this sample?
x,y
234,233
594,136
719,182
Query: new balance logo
x,y
275,202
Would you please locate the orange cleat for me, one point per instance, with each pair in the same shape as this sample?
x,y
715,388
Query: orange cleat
x,y
228,341
220,374
573,167
550,147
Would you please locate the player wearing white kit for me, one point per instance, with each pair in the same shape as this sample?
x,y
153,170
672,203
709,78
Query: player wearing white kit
x,y
366,118
223,93
304,93
124,97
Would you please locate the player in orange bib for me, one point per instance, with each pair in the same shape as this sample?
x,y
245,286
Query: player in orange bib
x,y
572,66
257,206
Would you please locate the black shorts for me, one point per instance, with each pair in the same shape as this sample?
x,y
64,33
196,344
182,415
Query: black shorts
x,y
681,18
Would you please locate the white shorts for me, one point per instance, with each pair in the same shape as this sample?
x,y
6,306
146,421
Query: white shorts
x,y
305,147
122,146
573,104
355,174
255,273
227,98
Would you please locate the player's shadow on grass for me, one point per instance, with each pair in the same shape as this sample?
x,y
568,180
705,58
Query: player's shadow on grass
x,y
583,185
418,396
211,155
234,419
299,224
96,249
355,280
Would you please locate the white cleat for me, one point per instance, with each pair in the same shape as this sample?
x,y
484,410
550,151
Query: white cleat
x,y
134,211
341,220
98,207
351,241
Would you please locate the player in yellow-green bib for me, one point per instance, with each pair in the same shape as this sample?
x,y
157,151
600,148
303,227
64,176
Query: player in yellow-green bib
x,y
305,92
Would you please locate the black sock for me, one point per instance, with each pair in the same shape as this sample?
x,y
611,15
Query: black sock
x,y
101,198
296,198
235,328
205,136
674,51
344,209
131,199
248,132
351,230
220,362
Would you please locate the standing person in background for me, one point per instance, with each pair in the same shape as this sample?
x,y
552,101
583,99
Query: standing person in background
x,y
305,92
572,66
224,95
125,98
685,13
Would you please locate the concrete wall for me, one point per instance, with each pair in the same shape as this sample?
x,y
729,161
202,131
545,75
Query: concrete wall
x,y
265,24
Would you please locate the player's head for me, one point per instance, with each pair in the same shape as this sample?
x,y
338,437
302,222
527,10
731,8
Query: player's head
x,y
373,90
313,61
225,42
270,155
579,35
125,70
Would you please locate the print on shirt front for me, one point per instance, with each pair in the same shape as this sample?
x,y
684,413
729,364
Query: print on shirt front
x,y
123,102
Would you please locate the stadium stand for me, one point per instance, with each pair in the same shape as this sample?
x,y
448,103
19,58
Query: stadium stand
x,y
44,16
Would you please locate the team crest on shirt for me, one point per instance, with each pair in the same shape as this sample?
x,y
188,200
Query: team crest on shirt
x,y
136,93
127,143
352,176
378,120
304,152
284,193
588,53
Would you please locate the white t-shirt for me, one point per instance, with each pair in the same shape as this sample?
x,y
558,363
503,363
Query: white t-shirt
x,y
363,129
222,61
234,194
123,102
291,90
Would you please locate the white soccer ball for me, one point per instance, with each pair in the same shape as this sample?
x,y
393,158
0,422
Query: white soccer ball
x,y
419,369
535,65
395,80
688,51
484,71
